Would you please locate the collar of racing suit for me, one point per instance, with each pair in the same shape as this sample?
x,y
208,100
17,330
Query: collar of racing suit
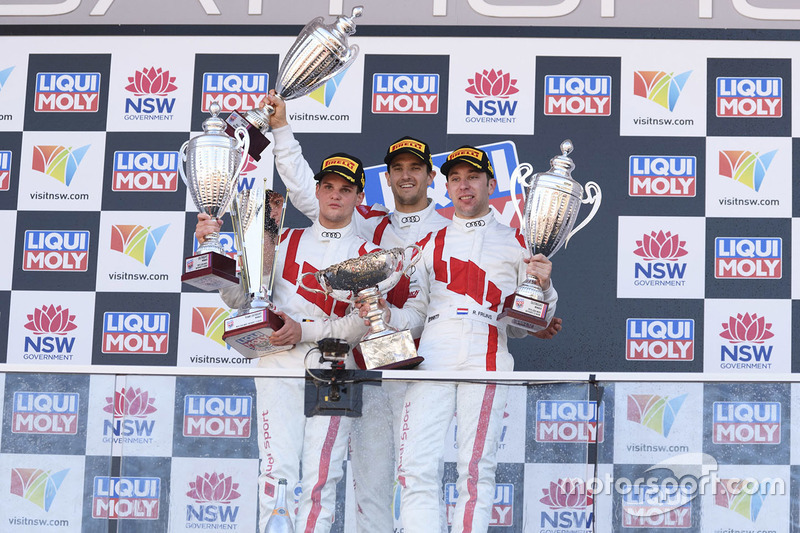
x,y
325,234
403,220
474,224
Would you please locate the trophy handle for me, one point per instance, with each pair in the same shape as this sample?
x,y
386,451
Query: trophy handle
x,y
182,155
414,257
244,144
593,196
522,174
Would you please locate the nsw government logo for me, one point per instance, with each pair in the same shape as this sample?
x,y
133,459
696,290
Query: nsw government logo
x,y
234,91
127,333
664,176
570,503
150,86
131,409
51,326
56,251
502,506
145,171
746,423
213,506
660,250
126,498
5,170
569,421
47,413
577,95
659,339
748,258
745,347
405,93
73,92
491,101
750,97
217,416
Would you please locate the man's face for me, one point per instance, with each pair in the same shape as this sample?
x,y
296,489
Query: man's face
x,y
337,199
408,177
469,190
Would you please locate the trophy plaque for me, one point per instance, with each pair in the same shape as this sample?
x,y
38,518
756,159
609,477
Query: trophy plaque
x,y
367,278
552,202
213,161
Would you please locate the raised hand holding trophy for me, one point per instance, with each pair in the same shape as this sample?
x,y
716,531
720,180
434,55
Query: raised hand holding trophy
x,y
552,202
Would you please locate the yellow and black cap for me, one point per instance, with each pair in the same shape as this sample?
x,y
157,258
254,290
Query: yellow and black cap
x,y
345,165
409,145
471,155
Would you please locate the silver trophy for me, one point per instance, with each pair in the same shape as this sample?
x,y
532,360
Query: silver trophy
x,y
552,202
257,215
366,278
317,55
213,161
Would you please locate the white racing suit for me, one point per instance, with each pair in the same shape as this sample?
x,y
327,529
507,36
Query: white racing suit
x,y
372,444
470,268
286,438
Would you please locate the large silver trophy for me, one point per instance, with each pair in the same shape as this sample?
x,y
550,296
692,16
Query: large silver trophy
x,y
317,55
213,161
552,202
366,278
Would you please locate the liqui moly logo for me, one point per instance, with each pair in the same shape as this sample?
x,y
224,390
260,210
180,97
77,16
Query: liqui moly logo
x,y
126,498
745,335
656,506
234,91
569,421
5,170
659,339
135,333
660,251
502,506
213,496
491,92
50,326
49,413
56,251
577,95
748,258
405,93
750,97
746,423
570,506
662,175
217,416
145,171
77,92
150,87
131,409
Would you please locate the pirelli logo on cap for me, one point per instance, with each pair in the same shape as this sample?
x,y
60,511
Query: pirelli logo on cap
x,y
340,161
407,143
467,152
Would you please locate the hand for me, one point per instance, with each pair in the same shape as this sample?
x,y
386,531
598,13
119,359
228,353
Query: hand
x,y
540,267
277,119
206,225
289,334
551,330
363,309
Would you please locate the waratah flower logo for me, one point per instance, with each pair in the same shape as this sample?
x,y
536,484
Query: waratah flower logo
x,y
748,327
661,245
51,319
216,488
130,402
494,83
153,81
569,493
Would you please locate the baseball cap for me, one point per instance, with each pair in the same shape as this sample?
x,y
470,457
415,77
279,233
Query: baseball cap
x,y
471,155
345,165
409,145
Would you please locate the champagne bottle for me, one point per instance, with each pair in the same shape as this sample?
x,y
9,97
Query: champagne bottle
x,y
280,521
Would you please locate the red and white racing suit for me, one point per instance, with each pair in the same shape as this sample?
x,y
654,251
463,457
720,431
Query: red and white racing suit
x,y
285,436
372,445
469,267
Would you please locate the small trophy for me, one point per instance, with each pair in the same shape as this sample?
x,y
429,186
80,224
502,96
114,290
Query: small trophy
x,y
552,202
213,161
368,277
317,55
257,215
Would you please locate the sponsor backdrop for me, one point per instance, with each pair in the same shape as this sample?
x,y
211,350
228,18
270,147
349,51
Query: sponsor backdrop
x,y
686,268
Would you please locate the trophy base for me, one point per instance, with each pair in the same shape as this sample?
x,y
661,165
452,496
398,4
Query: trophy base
x,y
525,313
210,271
249,334
390,351
258,142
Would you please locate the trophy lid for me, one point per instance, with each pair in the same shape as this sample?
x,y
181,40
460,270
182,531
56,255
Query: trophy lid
x,y
214,124
345,25
562,165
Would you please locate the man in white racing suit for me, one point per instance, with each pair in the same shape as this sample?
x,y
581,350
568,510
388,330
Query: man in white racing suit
x,y
286,437
467,271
